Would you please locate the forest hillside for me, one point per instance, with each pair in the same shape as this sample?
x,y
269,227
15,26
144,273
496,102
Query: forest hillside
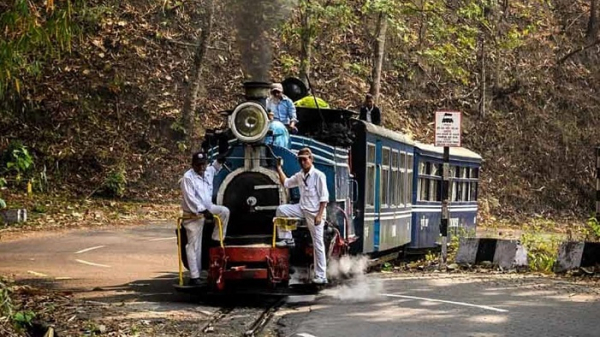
x,y
92,93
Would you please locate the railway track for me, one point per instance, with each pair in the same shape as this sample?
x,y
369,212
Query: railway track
x,y
247,319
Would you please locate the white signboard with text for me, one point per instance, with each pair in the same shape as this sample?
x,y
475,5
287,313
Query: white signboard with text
x,y
447,128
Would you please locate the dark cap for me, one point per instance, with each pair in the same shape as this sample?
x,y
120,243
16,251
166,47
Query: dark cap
x,y
199,158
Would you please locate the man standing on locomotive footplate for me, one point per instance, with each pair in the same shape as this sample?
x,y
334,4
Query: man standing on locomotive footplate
x,y
197,205
312,207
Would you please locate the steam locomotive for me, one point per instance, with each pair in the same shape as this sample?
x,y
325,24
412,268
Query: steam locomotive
x,y
384,188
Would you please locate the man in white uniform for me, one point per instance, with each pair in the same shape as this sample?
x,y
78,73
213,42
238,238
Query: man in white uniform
x,y
312,206
197,191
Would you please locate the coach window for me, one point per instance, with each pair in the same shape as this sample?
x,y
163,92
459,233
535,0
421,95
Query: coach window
x,y
385,176
402,180
409,173
370,178
434,183
465,191
453,183
423,188
473,183
394,191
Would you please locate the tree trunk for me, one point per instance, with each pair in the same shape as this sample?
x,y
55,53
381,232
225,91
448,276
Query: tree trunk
x,y
593,25
482,80
191,97
306,47
378,57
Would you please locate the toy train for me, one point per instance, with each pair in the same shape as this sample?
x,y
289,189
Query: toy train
x,y
384,188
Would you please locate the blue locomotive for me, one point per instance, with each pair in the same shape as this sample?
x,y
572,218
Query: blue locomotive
x,y
384,190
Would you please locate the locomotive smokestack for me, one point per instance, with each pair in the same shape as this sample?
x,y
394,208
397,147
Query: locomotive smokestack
x,y
257,91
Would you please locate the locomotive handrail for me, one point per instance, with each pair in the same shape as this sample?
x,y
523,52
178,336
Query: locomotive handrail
x,y
277,223
180,224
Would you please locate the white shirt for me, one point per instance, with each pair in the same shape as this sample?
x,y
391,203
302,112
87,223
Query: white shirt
x,y
313,188
197,190
368,114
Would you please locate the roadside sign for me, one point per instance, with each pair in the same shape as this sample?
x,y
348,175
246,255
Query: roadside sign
x,y
447,128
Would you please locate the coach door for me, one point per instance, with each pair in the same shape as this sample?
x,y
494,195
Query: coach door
x,y
378,197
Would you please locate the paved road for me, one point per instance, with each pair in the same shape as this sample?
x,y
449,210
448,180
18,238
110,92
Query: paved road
x,y
137,266
450,305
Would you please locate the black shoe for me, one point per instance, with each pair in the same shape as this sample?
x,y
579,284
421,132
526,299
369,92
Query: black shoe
x,y
195,282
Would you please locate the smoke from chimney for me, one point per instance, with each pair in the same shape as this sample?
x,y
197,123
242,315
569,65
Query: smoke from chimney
x,y
255,20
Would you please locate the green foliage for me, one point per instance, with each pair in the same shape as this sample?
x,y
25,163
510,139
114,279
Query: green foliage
x,y
16,160
23,319
542,250
2,203
387,267
31,34
6,305
115,183
592,230
431,256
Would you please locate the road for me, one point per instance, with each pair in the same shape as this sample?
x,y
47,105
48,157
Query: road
x,y
132,270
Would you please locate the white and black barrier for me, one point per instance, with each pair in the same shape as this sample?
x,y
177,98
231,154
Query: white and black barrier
x,y
506,254
10,216
573,255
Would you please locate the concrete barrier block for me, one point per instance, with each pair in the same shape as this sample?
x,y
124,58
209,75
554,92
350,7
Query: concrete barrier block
x,y
11,216
467,251
569,256
573,255
504,253
510,254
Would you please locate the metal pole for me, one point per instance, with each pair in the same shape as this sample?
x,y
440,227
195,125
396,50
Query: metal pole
x,y
445,212
598,184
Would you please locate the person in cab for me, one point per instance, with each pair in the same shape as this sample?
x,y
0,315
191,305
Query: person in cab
x,y
282,107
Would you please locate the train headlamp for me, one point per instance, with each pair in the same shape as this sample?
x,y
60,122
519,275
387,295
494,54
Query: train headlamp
x,y
249,122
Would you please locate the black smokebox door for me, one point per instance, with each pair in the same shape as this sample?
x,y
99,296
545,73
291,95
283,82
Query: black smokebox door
x,y
241,197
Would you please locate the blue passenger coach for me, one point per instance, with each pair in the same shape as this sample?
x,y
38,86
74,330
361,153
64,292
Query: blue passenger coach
x,y
382,163
427,187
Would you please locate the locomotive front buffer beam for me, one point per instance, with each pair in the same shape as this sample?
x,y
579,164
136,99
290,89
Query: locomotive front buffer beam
x,y
248,263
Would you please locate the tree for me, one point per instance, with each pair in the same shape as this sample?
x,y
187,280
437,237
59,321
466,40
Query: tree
x,y
593,23
306,38
191,96
379,52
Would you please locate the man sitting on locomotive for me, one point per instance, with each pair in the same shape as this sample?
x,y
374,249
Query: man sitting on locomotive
x,y
279,134
283,108
197,205
312,207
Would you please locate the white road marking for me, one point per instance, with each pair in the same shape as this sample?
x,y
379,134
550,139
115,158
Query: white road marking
x,y
304,334
88,249
448,302
163,239
36,273
92,264
60,278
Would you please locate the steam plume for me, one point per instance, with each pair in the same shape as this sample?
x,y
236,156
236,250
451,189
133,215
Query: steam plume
x,y
356,285
255,20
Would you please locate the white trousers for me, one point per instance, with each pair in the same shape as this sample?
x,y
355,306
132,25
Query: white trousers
x,y
193,229
316,232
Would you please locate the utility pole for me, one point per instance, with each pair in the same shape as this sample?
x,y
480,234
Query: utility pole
x,y
447,134
445,210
